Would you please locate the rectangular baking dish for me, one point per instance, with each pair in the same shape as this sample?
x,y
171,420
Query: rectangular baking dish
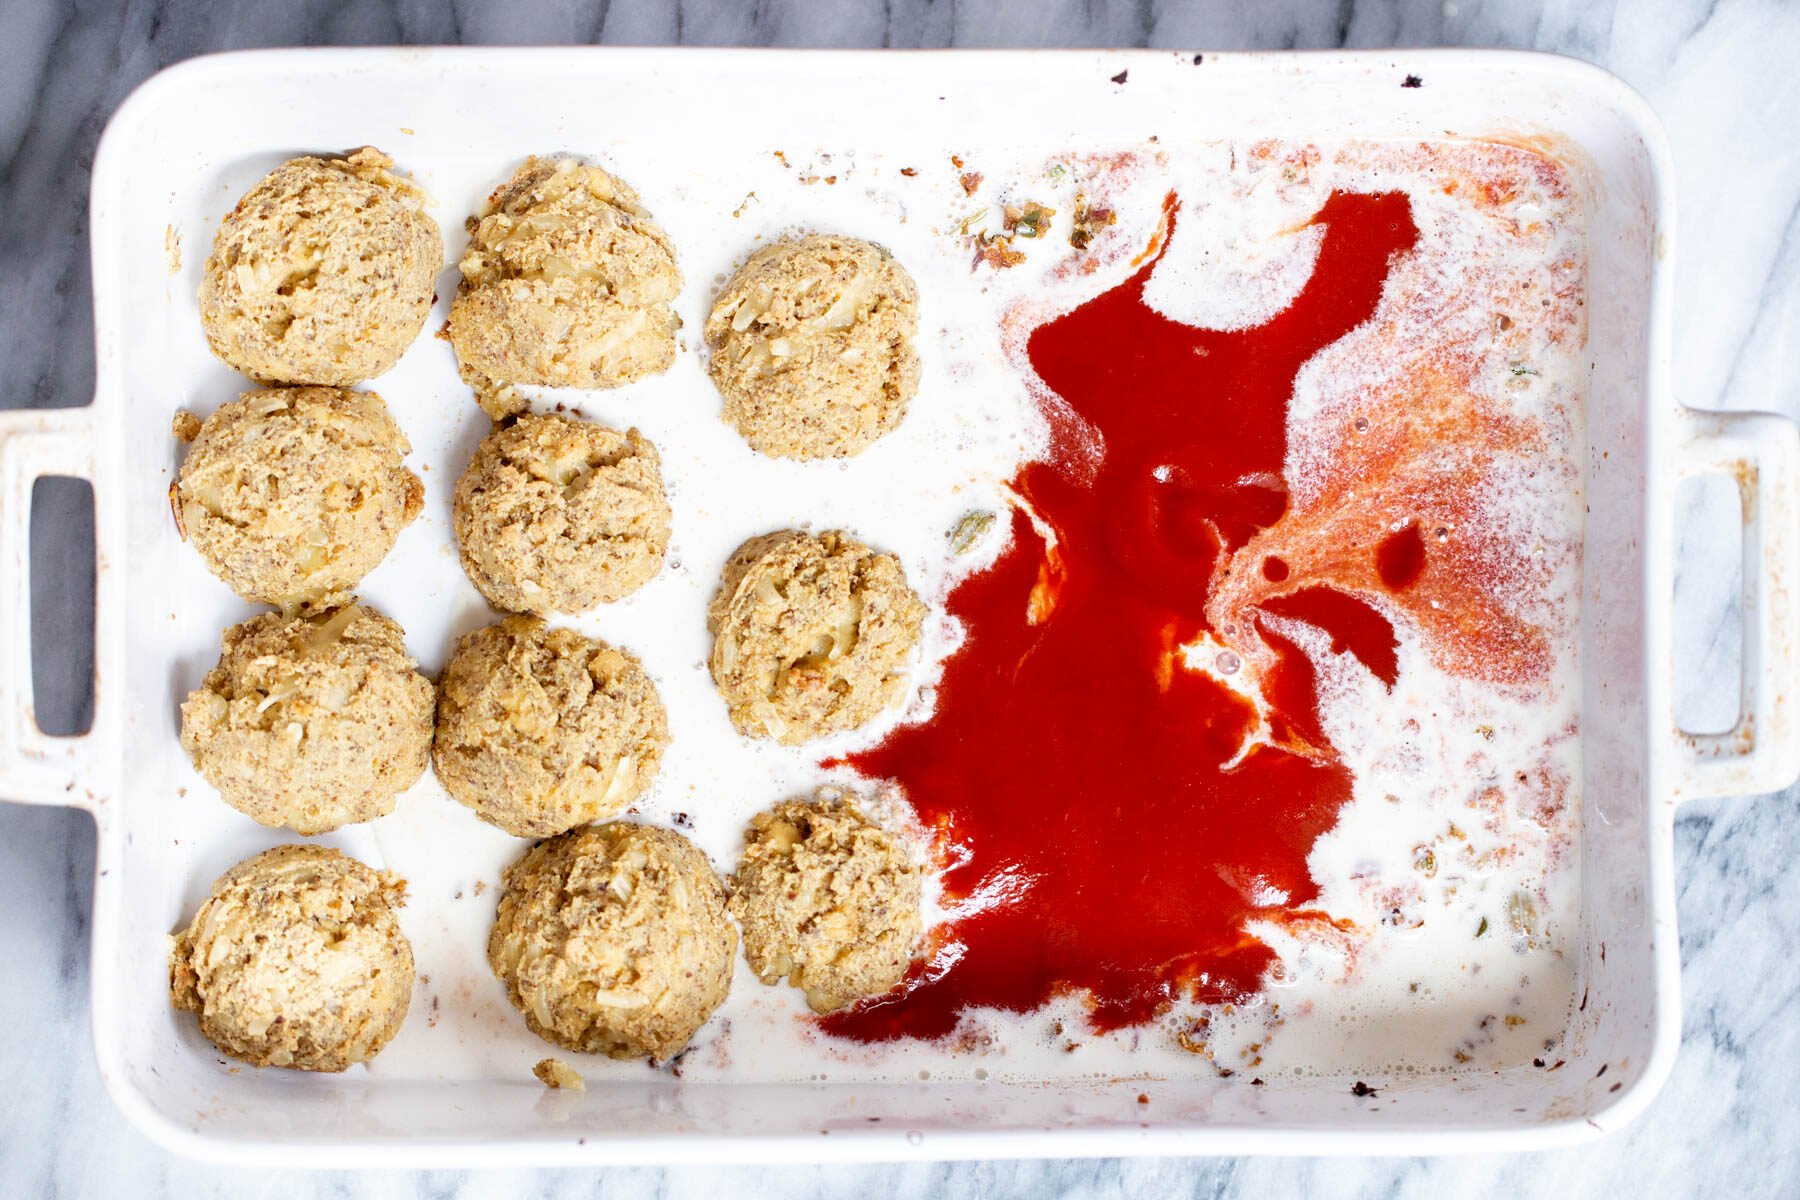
x,y
167,153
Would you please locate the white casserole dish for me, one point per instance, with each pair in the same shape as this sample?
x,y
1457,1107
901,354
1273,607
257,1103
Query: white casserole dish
x,y
179,148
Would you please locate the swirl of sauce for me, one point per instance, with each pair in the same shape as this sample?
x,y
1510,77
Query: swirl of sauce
x,y
1112,817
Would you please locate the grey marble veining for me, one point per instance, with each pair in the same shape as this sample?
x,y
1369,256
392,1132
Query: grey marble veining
x,y
1720,74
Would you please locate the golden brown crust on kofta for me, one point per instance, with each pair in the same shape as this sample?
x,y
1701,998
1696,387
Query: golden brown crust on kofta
x,y
614,939
567,282
556,515
812,346
311,722
811,634
295,960
540,730
829,901
292,495
323,273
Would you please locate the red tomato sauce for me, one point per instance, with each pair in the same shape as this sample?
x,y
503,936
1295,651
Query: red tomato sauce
x,y
1111,819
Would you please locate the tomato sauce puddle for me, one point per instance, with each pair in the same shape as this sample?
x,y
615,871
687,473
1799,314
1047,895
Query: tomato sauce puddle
x,y
1111,820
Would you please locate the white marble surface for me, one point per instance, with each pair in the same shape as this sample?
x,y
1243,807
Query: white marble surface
x,y
1720,73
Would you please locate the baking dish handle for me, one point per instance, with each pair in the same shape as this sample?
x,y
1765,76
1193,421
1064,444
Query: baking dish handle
x,y
1761,753
36,767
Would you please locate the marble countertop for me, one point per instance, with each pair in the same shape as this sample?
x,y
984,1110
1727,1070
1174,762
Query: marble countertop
x,y
1720,73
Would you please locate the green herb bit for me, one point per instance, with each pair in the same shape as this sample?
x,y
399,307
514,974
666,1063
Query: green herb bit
x,y
1028,220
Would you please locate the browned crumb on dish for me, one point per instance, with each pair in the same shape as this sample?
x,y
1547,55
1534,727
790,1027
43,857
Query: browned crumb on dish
x,y
996,251
554,1073
185,426
175,511
971,181
1089,220
1027,220
500,401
